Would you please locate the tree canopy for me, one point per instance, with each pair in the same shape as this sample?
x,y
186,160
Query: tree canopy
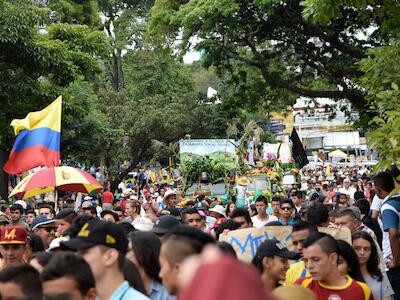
x,y
308,48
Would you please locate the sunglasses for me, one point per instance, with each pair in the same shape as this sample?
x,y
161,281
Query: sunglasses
x,y
48,229
286,208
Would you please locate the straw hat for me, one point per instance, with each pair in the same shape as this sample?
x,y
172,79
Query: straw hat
x,y
169,193
243,181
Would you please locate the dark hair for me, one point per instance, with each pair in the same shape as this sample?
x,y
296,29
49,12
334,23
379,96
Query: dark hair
x,y
315,197
252,207
287,201
358,195
227,207
67,214
184,241
146,247
304,225
262,198
118,208
132,275
47,206
127,227
298,194
31,212
42,257
327,243
227,224
384,180
241,212
363,205
227,248
276,199
26,277
273,223
15,207
317,214
395,172
188,211
67,264
373,261
347,252
35,242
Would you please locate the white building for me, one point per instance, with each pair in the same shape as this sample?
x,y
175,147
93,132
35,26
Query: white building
x,y
319,129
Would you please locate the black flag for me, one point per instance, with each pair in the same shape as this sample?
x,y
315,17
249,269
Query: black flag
x,y
298,152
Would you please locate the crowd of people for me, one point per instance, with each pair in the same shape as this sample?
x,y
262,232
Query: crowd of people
x,y
143,242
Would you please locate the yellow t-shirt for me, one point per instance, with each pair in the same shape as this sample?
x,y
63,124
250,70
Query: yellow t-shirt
x,y
296,271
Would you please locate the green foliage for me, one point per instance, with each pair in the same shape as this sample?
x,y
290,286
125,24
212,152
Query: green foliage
x,y
34,65
267,53
75,12
379,78
86,131
381,81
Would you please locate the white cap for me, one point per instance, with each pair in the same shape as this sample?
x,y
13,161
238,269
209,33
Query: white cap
x,y
56,243
219,209
22,203
143,224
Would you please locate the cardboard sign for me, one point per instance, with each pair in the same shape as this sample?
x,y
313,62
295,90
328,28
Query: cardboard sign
x,y
246,241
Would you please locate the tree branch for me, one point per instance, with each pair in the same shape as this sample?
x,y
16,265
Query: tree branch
x,y
275,81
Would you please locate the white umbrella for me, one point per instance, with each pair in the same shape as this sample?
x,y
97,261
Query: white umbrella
x,y
337,153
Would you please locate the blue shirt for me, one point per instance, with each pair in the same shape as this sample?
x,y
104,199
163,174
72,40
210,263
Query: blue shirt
x,y
126,292
158,292
390,211
290,222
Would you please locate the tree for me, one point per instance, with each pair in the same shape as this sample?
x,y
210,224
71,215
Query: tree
x,y
75,12
379,81
307,57
37,64
162,105
125,23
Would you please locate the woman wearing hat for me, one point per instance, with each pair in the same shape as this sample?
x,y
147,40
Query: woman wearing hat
x,y
218,212
241,191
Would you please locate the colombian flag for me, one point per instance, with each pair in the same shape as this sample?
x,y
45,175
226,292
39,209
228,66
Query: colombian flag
x,y
38,140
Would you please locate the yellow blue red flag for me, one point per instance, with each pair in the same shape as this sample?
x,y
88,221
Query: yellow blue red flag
x,y
38,140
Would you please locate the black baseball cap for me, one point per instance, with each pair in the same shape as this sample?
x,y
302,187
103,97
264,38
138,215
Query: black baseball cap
x,y
65,212
164,224
96,232
110,212
275,248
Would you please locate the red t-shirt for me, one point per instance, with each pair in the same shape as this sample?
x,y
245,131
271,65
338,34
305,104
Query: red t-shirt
x,y
108,197
353,290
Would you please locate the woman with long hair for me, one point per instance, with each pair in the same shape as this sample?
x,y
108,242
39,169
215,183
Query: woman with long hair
x,y
230,206
348,261
366,251
143,251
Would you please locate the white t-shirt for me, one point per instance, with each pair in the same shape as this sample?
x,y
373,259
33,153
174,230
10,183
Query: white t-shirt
x,y
122,186
376,203
350,192
257,223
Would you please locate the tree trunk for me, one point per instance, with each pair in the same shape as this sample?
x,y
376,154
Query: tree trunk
x,y
3,176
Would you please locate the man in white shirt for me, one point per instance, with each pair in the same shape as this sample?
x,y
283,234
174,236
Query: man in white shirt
x,y
262,218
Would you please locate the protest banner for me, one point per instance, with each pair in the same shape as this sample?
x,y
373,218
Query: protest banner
x,y
222,150
246,241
